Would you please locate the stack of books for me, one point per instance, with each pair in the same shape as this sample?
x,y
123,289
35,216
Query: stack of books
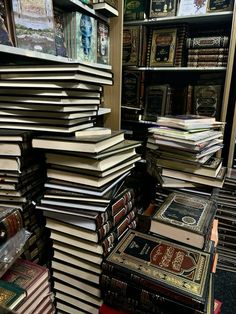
x,y
227,222
181,151
25,288
210,51
149,272
66,92
22,174
88,207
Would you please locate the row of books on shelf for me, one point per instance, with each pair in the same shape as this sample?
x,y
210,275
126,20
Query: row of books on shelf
x,y
174,46
74,35
159,9
151,101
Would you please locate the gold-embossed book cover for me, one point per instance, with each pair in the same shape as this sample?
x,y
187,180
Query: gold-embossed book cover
x,y
181,271
185,218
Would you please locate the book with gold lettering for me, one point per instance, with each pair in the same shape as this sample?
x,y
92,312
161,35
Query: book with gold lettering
x,y
10,294
185,218
179,272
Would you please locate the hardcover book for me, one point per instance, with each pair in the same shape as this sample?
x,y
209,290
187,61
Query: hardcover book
x,y
113,3
61,49
207,42
103,43
189,7
131,91
131,45
185,218
10,294
162,8
162,44
135,10
5,37
219,6
175,271
34,25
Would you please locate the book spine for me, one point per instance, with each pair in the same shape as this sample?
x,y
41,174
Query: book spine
x,y
149,47
208,51
113,3
142,298
129,222
123,273
206,58
207,42
207,64
10,225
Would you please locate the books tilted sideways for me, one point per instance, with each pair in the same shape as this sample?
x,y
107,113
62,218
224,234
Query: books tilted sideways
x,y
183,148
29,287
185,218
153,273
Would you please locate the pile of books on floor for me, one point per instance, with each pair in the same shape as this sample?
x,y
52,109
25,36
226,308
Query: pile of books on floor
x,y
168,268
88,206
181,152
22,175
66,92
226,215
207,51
26,289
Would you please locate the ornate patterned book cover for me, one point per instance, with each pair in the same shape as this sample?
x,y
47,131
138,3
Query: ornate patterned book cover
x,y
219,5
34,25
135,10
162,47
152,261
103,43
162,8
10,294
131,45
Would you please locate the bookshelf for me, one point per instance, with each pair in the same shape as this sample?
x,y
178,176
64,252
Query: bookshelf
x,y
10,54
212,20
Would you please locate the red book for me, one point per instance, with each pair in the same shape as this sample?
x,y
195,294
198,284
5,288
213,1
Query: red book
x,y
217,306
105,309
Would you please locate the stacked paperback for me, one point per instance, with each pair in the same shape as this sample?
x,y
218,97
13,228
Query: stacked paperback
x,y
181,151
87,207
171,267
25,288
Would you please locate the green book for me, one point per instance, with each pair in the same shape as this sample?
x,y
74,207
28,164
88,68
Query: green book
x,y
10,294
153,263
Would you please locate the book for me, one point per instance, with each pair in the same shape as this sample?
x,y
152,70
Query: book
x,y
11,294
214,6
187,7
10,222
162,44
207,64
137,11
184,218
113,3
5,35
93,144
155,101
27,275
34,19
217,181
207,58
207,42
142,260
105,9
14,136
131,91
103,42
61,49
160,8
131,45
208,51
93,131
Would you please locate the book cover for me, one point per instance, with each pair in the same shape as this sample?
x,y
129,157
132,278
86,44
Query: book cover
x,y
189,7
85,38
183,213
113,3
207,42
219,6
61,49
103,42
34,25
10,294
131,90
162,8
135,10
131,45
207,100
162,47
177,271
5,38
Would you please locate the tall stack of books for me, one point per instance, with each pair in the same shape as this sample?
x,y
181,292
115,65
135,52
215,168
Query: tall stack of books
x,y
87,208
227,222
22,174
209,51
149,273
182,151
25,288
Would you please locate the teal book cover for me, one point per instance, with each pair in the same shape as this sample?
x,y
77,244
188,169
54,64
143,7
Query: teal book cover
x,y
34,25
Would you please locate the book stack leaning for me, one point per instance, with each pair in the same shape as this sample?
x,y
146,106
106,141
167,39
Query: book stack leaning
x,y
87,208
181,152
168,268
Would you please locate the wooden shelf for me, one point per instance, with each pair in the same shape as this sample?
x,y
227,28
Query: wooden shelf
x,y
218,17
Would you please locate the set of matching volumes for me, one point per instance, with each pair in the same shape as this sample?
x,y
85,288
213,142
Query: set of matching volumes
x,y
183,148
160,9
25,288
75,35
225,198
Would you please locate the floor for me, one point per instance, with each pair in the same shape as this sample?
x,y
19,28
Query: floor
x,y
225,290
